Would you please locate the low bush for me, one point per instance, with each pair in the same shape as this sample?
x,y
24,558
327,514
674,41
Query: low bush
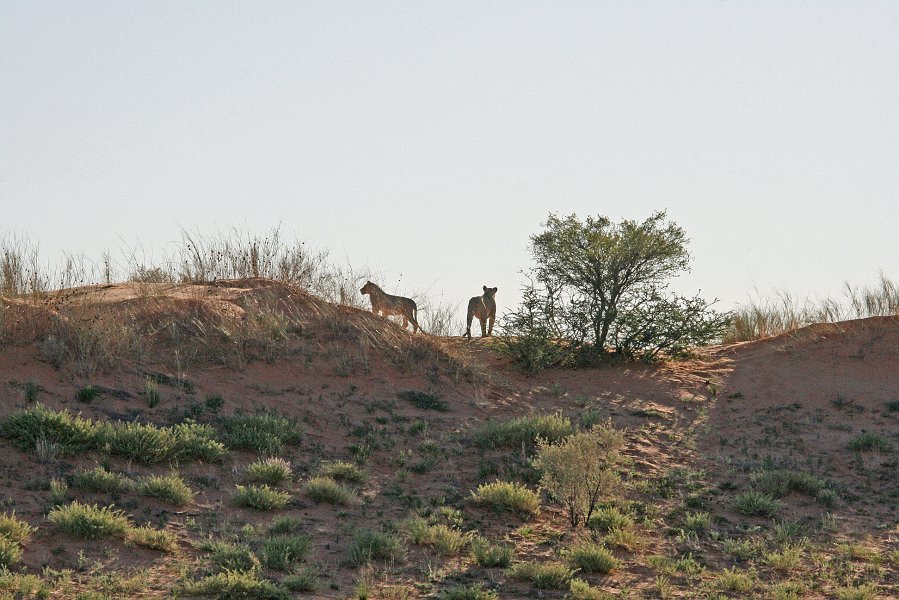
x,y
523,431
589,557
265,433
245,585
756,504
304,581
343,471
506,496
15,529
155,539
232,557
169,488
89,521
544,576
283,552
273,471
870,441
368,545
260,497
423,400
491,556
101,481
605,519
325,489
468,592
777,483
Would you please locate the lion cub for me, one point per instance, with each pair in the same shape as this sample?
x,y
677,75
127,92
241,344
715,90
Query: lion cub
x,y
384,303
484,308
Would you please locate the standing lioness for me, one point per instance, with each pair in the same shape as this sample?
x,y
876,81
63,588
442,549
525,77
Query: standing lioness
x,y
484,308
384,303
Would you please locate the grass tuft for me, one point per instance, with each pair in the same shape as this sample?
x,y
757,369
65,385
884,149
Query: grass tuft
x,y
756,504
523,431
245,585
155,539
265,433
325,489
343,471
260,497
101,481
590,557
169,488
423,400
869,441
89,521
272,470
283,552
506,496
368,546
543,576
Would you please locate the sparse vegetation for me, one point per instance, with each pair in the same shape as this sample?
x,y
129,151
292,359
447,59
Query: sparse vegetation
x,y
544,576
265,433
283,552
368,545
468,592
589,557
491,555
870,441
325,489
155,539
169,488
424,400
235,584
343,471
756,504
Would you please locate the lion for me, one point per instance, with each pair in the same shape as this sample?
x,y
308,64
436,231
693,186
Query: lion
x,y
385,304
484,308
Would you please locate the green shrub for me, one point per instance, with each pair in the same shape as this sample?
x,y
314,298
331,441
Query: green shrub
x,y
10,552
89,521
265,433
151,393
870,441
756,504
272,471
733,580
343,471
325,489
468,592
448,541
368,545
194,441
491,556
87,394
15,529
867,591
214,402
230,557
591,558
581,590
778,483
581,469
507,496
424,400
101,481
787,559
303,581
59,491
605,519
523,431
69,433
260,497
698,522
244,585
155,539
170,488
286,524
544,576
282,552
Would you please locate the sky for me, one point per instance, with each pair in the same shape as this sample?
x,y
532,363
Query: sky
x,y
428,140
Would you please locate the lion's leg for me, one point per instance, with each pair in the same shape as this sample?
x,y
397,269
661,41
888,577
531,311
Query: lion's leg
x,y
483,326
468,331
490,327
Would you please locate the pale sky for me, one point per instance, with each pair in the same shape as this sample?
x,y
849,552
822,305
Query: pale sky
x,y
428,140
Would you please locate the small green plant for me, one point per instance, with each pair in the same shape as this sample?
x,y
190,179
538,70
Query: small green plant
x,y
507,496
423,400
325,489
303,581
87,394
260,497
10,552
607,518
32,389
272,470
779,482
155,539
232,557
169,488
152,394
744,549
283,552
343,471
698,522
870,441
285,524
787,559
544,576
236,584
214,402
756,504
368,545
491,556
590,557
99,480
867,591
59,491
89,521
524,431
581,590
15,529
733,580
265,433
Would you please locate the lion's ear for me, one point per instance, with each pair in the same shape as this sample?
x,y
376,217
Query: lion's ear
x,y
485,288
496,289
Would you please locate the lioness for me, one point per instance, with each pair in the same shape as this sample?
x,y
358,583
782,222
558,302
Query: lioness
x,y
384,303
484,308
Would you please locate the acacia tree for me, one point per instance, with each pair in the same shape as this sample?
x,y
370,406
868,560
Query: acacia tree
x,y
599,284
